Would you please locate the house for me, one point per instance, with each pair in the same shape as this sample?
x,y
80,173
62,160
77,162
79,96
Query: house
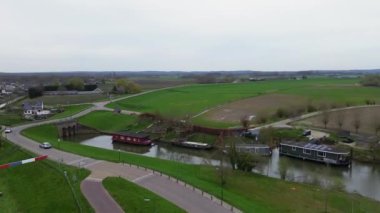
x,y
36,109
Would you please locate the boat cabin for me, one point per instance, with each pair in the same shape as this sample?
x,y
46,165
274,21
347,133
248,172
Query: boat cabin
x,y
131,138
316,152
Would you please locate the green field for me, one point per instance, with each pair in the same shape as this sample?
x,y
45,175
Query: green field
x,y
39,186
134,198
247,191
107,121
53,100
71,110
10,118
193,99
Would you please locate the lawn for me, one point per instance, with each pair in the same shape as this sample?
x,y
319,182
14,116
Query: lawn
x,y
39,186
247,191
107,121
71,110
10,118
194,99
134,198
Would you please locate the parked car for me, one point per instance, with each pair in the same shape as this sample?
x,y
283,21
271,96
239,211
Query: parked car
x,y
8,130
306,133
45,145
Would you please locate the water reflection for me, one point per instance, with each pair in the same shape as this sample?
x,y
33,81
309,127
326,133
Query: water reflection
x,y
361,178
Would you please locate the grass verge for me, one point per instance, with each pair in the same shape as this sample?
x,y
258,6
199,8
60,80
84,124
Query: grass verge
x,y
39,186
134,198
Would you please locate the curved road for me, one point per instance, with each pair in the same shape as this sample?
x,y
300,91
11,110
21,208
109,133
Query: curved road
x,y
188,198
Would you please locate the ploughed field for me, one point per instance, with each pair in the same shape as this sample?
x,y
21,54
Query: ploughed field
x,y
210,103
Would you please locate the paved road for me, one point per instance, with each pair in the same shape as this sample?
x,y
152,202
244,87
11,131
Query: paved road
x,y
180,194
98,197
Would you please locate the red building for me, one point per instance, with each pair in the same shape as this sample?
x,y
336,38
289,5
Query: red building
x,y
131,138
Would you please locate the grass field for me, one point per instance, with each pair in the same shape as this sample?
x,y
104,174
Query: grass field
x,y
247,191
39,186
194,99
107,121
134,198
53,100
71,110
10,118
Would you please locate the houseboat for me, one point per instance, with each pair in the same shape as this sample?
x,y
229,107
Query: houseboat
x,y
192,145
259,149
131,138
316,152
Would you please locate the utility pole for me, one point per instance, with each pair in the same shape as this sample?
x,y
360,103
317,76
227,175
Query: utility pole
x,y
221,166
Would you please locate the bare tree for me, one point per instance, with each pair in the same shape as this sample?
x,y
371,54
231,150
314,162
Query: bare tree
x,y
356,122
376,124
340,119
245,122
325,118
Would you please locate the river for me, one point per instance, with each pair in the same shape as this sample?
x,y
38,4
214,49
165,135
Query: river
x,y
361,178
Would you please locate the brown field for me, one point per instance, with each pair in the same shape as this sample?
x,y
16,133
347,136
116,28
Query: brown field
x,y
367,117
265,104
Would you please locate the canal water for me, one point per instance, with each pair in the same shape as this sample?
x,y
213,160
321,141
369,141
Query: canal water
x,y
360,178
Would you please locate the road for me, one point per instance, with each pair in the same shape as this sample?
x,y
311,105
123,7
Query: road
x,y
188,198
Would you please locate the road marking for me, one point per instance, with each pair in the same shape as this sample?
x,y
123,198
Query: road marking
x,y
76,161
92,163
94,179
142,177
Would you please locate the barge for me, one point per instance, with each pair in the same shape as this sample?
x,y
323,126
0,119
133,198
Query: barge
x,y
316,152
132,138
192,145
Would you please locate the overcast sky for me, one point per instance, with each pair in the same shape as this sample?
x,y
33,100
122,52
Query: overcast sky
x,y
64,35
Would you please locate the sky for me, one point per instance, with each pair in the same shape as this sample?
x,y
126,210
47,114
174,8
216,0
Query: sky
x,y
264,35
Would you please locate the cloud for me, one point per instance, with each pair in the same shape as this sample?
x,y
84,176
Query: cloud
x,y
43,35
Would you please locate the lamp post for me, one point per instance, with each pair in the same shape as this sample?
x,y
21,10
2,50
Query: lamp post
x,y
119,154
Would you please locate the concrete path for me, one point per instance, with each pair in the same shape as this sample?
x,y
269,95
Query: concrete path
x,y
98,197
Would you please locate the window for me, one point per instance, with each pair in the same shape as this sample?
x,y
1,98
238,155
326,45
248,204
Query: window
x,y
294,148
307,151
321,154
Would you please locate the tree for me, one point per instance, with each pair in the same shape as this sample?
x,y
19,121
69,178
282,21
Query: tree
x,y
125,86
232,154
245,122
267,136
35,92
376,124
325,118
340,119
356,122
246,161
75,84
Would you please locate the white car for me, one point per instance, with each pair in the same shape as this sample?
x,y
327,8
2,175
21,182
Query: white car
x,y
8,130
45,145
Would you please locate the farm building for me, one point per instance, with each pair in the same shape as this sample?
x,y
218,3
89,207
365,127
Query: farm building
x,y
316,152
36,109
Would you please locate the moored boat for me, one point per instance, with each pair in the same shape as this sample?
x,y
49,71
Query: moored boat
x,y
193,145
316,152
131,138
